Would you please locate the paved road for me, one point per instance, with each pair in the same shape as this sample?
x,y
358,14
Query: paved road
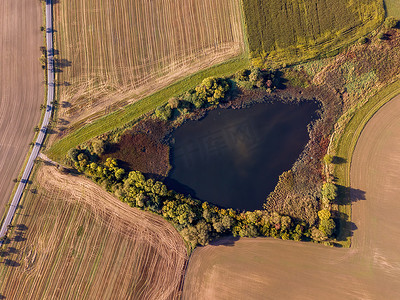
x,y
47,117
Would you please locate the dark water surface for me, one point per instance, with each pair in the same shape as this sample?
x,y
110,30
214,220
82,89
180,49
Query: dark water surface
x,y
233,158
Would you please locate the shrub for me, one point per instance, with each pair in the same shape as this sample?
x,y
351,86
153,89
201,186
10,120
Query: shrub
x,y
363,40
328,159
381,36
173,102
390,22
163,112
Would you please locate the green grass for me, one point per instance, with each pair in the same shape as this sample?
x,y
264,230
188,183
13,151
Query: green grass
x,y
346,148
295,30
392,8
134,111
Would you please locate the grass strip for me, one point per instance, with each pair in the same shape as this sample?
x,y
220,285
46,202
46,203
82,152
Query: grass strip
x,y
135,110
345,149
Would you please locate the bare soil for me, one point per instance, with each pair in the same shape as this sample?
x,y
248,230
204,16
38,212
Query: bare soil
x,y
265,268
74,240
21,87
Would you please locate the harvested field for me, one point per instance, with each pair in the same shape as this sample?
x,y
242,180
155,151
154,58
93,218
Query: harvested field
x,y
112,53
292,31
274,269
74,240
21,88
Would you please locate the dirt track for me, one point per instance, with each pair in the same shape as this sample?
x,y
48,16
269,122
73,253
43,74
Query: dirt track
x,y
275,269
21,88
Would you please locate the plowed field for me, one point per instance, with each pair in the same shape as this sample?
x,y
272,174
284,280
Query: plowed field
x,y
72,240
21,88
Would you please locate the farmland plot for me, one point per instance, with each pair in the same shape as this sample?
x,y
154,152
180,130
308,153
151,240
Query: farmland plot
x,y
292,31
73,240
115,52
21,88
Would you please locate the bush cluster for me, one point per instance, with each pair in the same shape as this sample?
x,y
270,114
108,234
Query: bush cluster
x,y
257,78
211,91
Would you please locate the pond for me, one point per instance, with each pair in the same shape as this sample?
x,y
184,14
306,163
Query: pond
x,y
233,157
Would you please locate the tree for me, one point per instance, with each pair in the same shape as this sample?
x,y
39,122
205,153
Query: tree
x,y
255,75
99,146
212,90
329,191
327,226
324,214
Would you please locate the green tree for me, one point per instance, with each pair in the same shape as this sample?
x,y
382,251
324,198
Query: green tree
x,y
327,226
329,191
99,147
212,90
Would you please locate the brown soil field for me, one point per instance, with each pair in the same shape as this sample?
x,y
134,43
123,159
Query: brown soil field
x,y
112,53
21,87
265,268
72,240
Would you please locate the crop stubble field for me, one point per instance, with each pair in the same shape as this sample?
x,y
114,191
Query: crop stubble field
x,y
264,268
292,31
74,240
113,53
21,88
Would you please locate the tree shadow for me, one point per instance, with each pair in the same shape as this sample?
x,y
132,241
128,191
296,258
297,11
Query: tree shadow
x,y
12,250
19,238
227,241
11,263
173,184
280,80
21,227
344,227
2,297
348,195
65,104
62,63
337,160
